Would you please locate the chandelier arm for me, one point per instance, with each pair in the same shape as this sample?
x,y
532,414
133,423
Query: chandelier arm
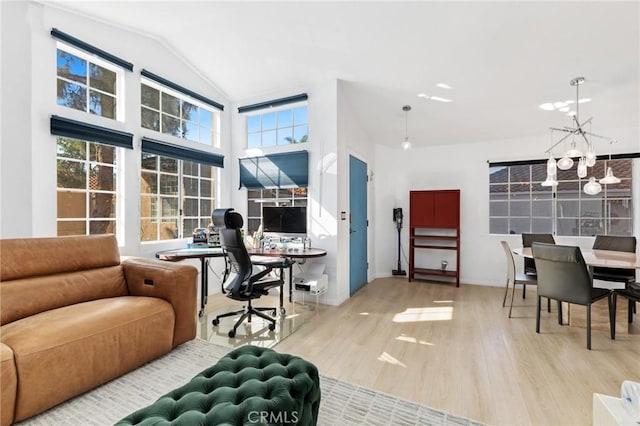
x,y
600,136
558,143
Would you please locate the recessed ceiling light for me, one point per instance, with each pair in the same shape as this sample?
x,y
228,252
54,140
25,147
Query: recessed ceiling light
x,y
439,99
422,95
559,105
571,113
547,107
564,109
443,86
584,100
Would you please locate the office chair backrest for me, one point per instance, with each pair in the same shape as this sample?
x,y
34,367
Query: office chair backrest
x,y
230,225
511,267
610,242
527,240
562,273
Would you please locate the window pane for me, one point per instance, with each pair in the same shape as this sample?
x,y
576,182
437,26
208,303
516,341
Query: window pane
x,y
206,207
567,227
568,208
539,173
149,161
168,184
72,204
169,229
169,165
591,227
189,111
71,67
300,134
519,225
150,119
102,205
102,153
169,206
269,138
253,124
619,190
72,95
102,79
253,140
498,225
190,131
148,230
205,118
542,208
102,227
72,174
149,183
102,177
72,148
190,168
206,136
620,209
499,208
520,191
300,115
190,187
206,171
148,206
254,209
621,227
542,226
520,173
171,126
592,208
206,188
269,121
285,118
285,136
621,168
190,208
170,105
150,97
102,105
520,208
253,225
498,174
71,228
189,225
568,189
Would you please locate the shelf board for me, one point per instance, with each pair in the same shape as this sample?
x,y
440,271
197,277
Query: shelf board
x,y
438,272
437,247
434,237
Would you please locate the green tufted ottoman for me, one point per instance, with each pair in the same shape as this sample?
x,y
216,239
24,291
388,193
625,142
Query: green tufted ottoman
x,y
248,386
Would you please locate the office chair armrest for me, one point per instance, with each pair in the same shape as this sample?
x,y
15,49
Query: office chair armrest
x,y
173,282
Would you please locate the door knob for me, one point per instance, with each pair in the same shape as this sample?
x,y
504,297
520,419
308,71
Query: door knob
x,y
351,231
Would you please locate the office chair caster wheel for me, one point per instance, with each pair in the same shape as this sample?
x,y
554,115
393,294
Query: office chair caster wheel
x,y
232,333
216,321
283,311
272,327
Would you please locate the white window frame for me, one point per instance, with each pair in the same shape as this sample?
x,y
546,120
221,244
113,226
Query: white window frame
x,y
261,132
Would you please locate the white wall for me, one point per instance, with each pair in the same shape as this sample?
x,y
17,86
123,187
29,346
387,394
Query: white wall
x,y
465,167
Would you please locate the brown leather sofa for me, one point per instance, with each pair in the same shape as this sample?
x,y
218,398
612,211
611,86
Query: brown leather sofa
x,y
73,317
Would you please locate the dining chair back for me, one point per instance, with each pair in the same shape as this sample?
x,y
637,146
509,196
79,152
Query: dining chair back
x,y
513,277
615,243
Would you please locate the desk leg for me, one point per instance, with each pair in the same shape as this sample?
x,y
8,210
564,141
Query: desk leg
x,y
204,284
282,310
291,282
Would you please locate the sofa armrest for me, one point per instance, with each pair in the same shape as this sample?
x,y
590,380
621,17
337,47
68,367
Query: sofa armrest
x,y
172,282
9,382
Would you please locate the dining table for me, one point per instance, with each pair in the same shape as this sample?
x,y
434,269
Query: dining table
x,y
576,314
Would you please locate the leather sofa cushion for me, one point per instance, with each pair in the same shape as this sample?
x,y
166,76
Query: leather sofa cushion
x,y
66,351
9,384
29,296
249,385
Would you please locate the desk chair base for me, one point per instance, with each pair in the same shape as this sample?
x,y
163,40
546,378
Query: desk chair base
x,y
246,312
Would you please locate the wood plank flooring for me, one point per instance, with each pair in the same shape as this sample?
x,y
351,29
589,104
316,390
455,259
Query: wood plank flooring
x,y
455,349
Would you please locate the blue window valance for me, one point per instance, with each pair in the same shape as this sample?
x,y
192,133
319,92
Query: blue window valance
x,y
273,103
165,149
66,127
282,170
181,89
56,33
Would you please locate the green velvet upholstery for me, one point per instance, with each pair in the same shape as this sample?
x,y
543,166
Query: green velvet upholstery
x,y
248,386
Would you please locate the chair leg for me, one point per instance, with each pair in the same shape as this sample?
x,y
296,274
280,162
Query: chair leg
x,y
506,290
589,326
612,315
524,291
512,294
632,306
548,305
538,315
559,312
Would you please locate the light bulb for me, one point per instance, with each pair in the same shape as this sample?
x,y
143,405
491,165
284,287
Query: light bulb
x,y
582,168
609,177
406,144
592,187
565,163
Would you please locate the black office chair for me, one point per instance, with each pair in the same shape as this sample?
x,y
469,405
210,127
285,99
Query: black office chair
x,y
610,242
632,293
530,264
563,275
242,284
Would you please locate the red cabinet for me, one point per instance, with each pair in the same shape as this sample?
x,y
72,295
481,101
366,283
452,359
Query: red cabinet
x,y
434,223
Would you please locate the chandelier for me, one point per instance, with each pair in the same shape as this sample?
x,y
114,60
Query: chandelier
x,y
585,158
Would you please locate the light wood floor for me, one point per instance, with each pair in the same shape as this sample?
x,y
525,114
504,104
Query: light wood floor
x,y
455,349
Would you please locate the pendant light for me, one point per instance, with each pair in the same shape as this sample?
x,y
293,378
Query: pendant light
x,y
592,187
609,178
406,144
552,172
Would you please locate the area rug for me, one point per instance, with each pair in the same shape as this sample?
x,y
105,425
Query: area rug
x,y
341,403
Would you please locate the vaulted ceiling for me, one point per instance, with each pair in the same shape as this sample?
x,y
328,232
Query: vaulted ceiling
x,y
501,60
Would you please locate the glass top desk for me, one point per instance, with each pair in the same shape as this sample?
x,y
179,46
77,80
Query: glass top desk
x,y
204,253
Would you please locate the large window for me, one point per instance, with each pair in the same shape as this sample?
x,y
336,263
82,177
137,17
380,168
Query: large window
x,y
518,203
171,113
271,197
86,83
86,181
276,128
177,196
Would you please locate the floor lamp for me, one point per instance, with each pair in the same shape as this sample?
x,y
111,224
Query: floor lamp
x,y
397,218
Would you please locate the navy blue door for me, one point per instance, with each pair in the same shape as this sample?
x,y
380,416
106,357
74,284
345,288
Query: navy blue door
x,y
357,224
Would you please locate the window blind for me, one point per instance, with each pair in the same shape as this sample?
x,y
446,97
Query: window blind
x,y
165,149
66,127
282,170
181,89
274,103
91,49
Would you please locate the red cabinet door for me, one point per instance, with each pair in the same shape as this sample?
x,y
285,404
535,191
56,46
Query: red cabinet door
x,y
446,212
421,209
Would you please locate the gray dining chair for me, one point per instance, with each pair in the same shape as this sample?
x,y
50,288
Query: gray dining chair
x,y
563,275
513,277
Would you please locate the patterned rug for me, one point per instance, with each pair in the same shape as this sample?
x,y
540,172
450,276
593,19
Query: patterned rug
x,y
341,403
